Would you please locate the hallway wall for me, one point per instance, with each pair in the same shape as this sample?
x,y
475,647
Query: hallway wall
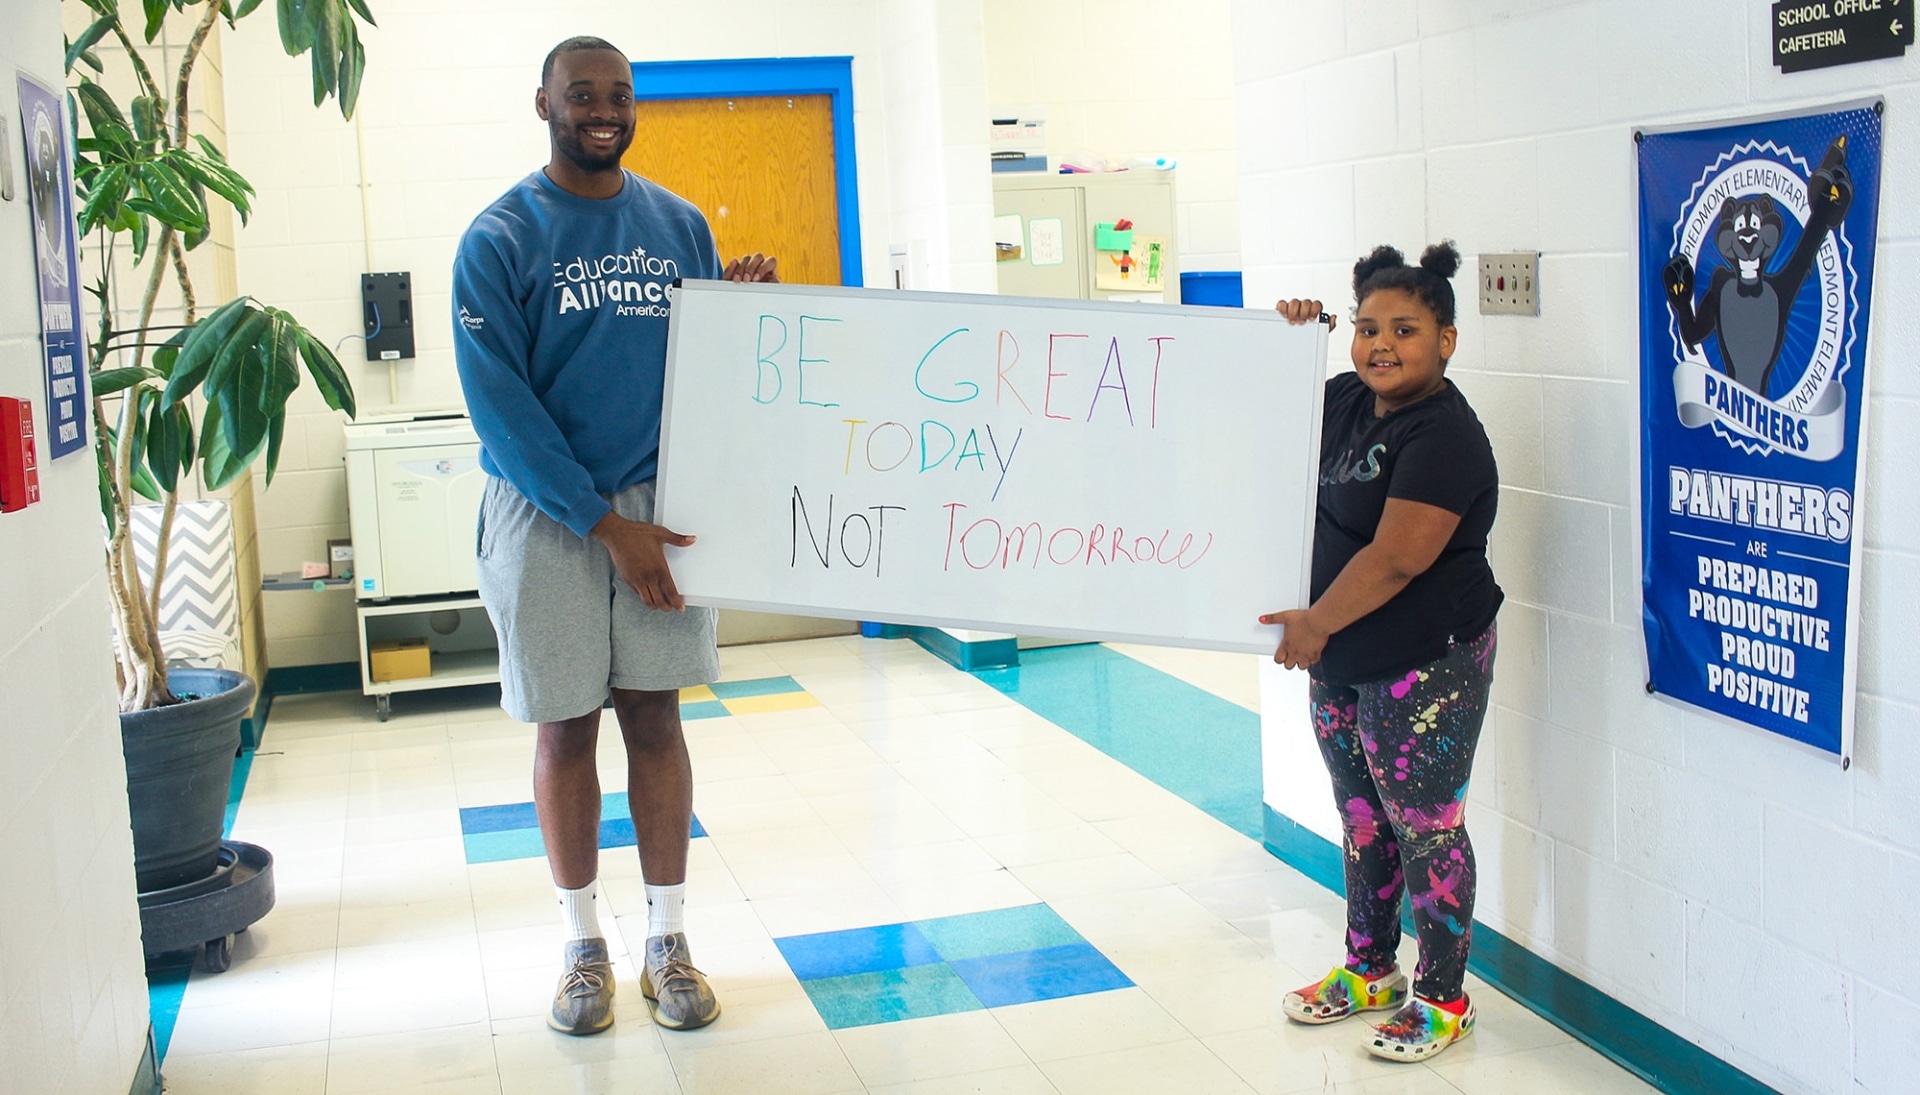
x,y
73,991
1737,888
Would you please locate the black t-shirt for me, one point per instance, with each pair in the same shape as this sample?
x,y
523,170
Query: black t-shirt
x,y
1436,452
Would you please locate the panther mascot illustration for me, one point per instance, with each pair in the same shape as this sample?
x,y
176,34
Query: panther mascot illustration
x,y
1746,307
44,177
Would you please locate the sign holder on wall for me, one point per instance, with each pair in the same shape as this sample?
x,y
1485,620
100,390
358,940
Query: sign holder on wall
x,y
49,159
1757,242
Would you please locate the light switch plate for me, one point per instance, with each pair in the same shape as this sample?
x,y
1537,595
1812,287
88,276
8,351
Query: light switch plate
x,y
6,163
1510,283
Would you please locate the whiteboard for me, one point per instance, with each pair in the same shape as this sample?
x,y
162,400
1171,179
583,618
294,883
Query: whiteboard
x,y
1063,468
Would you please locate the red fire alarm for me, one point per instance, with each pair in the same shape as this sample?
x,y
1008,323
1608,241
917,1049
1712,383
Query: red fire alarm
x,y
19,468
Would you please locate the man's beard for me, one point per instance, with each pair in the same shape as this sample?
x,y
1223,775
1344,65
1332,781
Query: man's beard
x,y
566,138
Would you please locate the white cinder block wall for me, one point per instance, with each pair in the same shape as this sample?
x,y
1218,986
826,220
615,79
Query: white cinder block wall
x,y
1739,889
447,124
1149,78
73,990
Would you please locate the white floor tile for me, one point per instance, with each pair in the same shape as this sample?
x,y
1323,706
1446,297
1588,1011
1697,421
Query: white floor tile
x,y
911,791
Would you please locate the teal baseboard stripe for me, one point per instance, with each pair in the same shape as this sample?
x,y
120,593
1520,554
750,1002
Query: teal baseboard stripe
x,y
967,657
287,680
1623,1035
146,1078
1304,850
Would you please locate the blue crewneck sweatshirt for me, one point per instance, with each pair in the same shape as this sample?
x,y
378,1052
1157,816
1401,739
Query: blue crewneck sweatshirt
x,y
560,335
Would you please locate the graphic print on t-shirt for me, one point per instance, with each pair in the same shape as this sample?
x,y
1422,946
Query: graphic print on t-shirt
x,y
634,282
1348,471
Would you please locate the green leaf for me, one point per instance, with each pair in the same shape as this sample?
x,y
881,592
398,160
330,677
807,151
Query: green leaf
x,y
217,177
167,354
156,14
93,62
163,448
83,45
276,433
109,381
106,193
283,363
149,121
327,374
199,347
103,114
168,198
229,358
247,382
353,64
296,28
245,9
360,8
136,226
219,465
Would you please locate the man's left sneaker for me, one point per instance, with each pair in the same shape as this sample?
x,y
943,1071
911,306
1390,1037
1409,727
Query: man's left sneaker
x,y
1420,1030
676,992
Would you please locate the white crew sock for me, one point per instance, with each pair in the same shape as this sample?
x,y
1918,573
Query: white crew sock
x,y
578,912
665,905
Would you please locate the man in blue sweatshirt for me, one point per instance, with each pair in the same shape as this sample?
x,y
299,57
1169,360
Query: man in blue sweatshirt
x,y
560,335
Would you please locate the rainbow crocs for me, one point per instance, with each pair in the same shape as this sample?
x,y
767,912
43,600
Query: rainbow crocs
x,y
1343,992
1419,1031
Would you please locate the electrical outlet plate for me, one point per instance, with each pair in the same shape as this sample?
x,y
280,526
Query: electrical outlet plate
x,y
1510,283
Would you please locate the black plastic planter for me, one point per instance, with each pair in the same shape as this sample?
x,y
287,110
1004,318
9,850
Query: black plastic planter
x,y
179,765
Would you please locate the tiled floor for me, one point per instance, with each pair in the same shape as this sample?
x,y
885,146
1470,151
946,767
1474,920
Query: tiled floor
x,y
1135,942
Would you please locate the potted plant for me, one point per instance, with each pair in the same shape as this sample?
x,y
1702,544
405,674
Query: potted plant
x,y
206,396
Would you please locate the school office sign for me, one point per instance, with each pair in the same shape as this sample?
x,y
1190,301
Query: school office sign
x,y
1809,34
1756,270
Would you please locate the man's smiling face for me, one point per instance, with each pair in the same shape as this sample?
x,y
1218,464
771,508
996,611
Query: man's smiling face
x,y
588,108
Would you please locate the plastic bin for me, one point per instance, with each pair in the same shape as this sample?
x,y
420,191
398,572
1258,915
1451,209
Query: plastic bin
x,y
1219,288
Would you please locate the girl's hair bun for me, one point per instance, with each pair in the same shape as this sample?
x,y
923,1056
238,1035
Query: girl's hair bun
x,y
1384,257
1442,259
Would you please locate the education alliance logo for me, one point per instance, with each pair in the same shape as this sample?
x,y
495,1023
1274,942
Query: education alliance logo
x,y
1760,359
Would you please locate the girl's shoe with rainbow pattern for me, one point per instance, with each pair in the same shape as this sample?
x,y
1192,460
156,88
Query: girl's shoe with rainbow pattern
x,y
1343,992
1419,1031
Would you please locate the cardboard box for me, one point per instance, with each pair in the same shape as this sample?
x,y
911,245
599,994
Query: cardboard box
x,y
339,559
400,659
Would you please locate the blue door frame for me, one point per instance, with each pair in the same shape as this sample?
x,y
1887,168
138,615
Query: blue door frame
x,y
829,76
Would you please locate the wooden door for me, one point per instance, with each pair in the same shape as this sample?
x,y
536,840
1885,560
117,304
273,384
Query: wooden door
x,y
761,169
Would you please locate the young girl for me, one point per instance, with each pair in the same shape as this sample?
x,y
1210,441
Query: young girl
x,y
1399,640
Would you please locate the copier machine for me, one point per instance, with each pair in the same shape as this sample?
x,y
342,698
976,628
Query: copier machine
x,y
413,496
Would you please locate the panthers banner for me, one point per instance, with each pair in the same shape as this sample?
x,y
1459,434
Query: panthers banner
x,y
1756,270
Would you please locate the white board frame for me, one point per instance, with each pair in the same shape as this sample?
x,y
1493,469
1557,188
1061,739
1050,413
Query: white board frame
x,y
1294,487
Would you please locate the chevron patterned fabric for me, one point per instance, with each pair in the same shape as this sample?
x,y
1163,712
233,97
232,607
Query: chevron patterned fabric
x,y
199,603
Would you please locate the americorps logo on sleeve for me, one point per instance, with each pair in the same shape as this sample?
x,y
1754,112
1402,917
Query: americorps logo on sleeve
x,y
1737,373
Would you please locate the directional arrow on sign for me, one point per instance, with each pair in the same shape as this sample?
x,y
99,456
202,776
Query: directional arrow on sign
x,y
1896,27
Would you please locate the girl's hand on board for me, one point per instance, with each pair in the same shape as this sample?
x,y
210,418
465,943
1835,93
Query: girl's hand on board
x,y
1304,311
1301,643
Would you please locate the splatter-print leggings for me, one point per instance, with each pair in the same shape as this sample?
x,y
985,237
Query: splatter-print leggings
x,y
1400,752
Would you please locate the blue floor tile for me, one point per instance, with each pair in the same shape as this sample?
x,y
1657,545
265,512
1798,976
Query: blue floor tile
x,y
765,686
858,950
1183,738
705,709
505,844
888,996
1001,931
497,819
1072,970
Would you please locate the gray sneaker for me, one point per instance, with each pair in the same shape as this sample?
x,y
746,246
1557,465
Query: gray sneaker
x,y
583,1002
676,992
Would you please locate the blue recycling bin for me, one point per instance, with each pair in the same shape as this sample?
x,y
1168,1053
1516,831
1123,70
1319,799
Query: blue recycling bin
x,y
1219,288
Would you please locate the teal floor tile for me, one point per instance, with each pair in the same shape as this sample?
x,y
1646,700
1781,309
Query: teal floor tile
x,y
765,686
1183,738
705,709
857,950
888,996
1001,931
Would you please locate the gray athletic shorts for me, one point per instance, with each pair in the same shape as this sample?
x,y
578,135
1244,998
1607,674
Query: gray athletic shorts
x,y
570,627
